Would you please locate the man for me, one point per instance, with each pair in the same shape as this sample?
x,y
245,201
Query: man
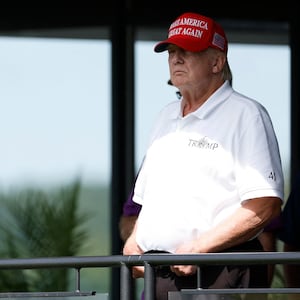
x,y
212,178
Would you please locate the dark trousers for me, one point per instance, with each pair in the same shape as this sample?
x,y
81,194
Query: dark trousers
x,y
216,277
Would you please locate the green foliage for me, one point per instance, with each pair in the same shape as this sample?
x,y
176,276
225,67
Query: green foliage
x,y
38,224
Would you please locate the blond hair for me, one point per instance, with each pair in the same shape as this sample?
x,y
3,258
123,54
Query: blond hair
x,y
227,75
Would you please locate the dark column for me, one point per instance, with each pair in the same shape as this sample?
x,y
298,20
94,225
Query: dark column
x,y
122,38
295,97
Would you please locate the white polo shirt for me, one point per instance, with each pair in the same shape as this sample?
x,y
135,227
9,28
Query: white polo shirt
x,y
199,168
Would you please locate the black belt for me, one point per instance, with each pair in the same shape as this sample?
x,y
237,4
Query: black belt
x,y
252,245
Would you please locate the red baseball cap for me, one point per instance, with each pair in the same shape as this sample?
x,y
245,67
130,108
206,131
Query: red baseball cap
x,y
194,32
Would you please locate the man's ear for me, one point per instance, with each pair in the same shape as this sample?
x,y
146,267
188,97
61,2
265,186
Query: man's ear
x,y
219,63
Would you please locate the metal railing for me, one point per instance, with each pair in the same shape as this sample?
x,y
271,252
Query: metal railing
x,y
149,261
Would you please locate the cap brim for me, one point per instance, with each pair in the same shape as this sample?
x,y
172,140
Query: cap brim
x,y
162,46
185,44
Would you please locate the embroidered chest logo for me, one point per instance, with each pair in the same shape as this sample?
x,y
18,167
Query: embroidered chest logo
x,y
272,176
203,143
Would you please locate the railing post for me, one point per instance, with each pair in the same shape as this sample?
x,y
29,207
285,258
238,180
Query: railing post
x,y
77,278
126,284
149,283
198,277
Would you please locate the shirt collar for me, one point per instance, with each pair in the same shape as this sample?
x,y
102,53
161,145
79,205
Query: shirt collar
x,y
216,99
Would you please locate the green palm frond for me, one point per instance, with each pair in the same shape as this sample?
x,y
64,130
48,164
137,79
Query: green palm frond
x,y
39,224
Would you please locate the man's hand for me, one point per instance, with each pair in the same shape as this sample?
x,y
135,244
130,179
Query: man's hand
x,y
183,270
132,248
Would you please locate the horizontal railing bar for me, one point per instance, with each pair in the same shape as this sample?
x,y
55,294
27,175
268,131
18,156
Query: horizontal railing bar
x,y
236,258
45,294
242,291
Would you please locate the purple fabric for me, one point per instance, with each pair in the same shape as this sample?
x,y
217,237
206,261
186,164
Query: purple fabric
x,y
131,208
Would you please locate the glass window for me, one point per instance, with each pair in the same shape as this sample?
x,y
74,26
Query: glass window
x,y
55,127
